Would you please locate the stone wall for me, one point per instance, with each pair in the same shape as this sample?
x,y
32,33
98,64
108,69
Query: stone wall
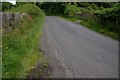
x,y
8,20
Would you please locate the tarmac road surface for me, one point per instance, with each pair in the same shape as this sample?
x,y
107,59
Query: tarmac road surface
x,y
74,51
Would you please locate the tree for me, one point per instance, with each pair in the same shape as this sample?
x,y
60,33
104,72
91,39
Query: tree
x,y
53,8
70,10
6,6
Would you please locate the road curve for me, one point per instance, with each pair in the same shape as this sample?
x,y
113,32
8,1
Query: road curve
x,y
74,51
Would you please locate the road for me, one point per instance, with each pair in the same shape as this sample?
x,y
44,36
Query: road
x,y
74,51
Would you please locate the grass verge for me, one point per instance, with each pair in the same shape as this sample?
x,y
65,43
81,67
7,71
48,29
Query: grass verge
x,y
21,46
97,28
71,19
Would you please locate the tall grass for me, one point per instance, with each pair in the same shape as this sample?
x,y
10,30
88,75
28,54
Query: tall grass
x,y
106,27
21,46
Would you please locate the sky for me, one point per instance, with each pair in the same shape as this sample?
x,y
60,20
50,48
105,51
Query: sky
x,y
11,1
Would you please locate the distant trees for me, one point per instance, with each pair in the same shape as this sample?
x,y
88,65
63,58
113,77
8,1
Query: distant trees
x,y
71,9
53,8
6,6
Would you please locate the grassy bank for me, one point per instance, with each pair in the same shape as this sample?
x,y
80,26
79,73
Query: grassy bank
x,y
72,19
100,29
21,46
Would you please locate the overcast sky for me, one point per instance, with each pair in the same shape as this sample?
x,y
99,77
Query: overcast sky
x,y
11,1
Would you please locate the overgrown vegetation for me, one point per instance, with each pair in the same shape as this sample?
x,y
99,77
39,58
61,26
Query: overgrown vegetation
x,y
52,8
105,20
21,46
103,17
6,6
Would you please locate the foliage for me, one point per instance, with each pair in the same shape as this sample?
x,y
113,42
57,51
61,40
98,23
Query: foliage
x,y
20,47
27,8
70,10
51,8
104,15
96,27
6,6
110,17
109,12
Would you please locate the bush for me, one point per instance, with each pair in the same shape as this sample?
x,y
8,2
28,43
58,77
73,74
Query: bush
x,y
52,8
70,10
110,17
103,20
28,8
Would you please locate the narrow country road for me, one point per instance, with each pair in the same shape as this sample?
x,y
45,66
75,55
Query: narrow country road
x,y
74,51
